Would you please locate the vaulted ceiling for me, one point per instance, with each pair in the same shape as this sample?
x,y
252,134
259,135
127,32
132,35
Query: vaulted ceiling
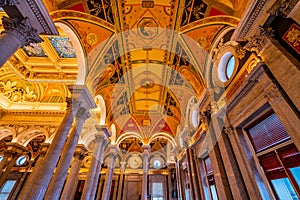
x,y
146,58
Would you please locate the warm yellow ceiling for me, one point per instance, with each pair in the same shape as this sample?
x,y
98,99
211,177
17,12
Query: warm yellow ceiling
x,y
145,71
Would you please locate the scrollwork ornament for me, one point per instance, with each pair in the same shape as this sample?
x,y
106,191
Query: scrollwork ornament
x,y
8,2
21,29
257,42
283,8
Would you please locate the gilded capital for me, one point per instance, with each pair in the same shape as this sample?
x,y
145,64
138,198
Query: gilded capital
x,y
21,29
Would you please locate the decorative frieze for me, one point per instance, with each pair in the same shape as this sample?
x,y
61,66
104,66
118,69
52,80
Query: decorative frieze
x,y
21,29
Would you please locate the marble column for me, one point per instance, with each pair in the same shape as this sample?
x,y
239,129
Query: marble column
x,y
44,171
122,174
14,150
70,185
109,173
178,180
93,173
25,190
59,177
18,33
146,154
193,174
98,170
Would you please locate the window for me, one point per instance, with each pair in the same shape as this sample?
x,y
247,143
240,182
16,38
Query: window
x,y
157,191
226,67
1,158
6,189
21,160
281,164
210,178
282,168
267,133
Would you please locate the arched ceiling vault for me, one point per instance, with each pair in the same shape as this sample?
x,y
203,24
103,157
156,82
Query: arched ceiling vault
x,y
145,58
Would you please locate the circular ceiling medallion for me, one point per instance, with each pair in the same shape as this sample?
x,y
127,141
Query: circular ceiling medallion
x,y
147,28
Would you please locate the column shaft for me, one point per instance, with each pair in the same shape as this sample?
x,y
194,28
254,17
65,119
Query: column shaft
x,y
70,186
3,163
7,169
109,175
100,161
61,171
45,170
145,172
25,190
89,183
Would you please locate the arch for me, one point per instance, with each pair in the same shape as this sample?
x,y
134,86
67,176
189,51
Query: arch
x,y
28,135
87,138
79,52
128,135
7,131
102,106
113,133
208,73
163,136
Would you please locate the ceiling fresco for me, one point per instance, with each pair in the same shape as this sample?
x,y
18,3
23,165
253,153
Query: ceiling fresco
x,y
136,55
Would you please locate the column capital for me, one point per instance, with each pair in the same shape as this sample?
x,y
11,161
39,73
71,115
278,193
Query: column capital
x,y
15,148
8,2
123,166
44,148
103,129
83,113
80,150
113,149
228,129
21,29
146,148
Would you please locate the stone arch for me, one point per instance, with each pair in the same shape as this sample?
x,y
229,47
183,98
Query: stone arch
x,y
102,106
128,135
28,135
7,131
79,52
164,136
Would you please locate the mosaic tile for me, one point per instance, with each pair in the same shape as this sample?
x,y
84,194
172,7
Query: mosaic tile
x,y
34,50
63,47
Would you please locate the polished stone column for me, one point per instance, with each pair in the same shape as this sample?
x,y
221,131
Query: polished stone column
x,y
122,174
18,33
69,188
59,177
146,154
178,180
193,174
14,150
98,170
93,170
110,172
44,171
25,190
